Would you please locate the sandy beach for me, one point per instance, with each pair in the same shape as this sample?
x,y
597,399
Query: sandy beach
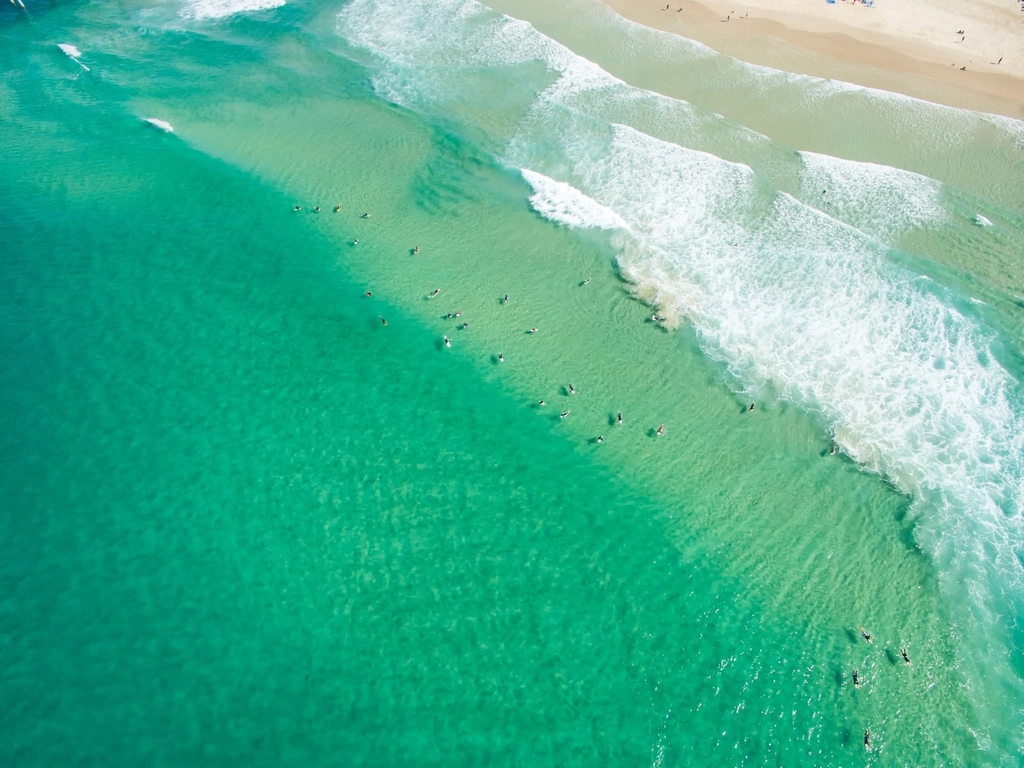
x,y
950,52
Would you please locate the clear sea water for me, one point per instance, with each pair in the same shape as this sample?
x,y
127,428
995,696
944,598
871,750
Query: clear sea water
x,y
243,521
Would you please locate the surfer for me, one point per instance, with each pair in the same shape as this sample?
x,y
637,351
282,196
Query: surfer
x,y
505,299
563,414
587,281
856,679
501,358
751,407
458,313
297,208
316,208
465,326
365,216
356,241
533,330
447,342
541,403
337,208
661,430
906,658
436,291
655,318
416,249
864,634
369,293
572,390
383,321
618,419
832,450
600,438
867,739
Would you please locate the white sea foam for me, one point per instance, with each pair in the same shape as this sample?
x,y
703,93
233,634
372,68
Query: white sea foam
x,y
72,53
799,298
877,199
163,125
565,204
982,221
216,9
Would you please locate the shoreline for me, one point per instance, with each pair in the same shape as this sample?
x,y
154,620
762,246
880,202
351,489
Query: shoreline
x,y
822,46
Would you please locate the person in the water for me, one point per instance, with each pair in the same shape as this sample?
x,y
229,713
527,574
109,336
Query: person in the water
x,y
356,241
337,208
600,438
316,208
533,330
383,321
856,679
465,326
501,358
563,414
365,216
864,634
369,293
504,299
867,739
416,249
906,658
541,403
618,419
751,407
572,390
297,208
832,450
661,430
435,293
447,342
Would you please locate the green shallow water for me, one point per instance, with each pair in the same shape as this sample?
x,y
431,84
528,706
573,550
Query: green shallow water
x,y
245,521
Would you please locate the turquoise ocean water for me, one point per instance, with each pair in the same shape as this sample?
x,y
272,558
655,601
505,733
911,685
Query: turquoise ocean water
x,y
243,520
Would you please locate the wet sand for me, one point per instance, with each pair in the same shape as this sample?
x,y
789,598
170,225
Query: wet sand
x,y
879,47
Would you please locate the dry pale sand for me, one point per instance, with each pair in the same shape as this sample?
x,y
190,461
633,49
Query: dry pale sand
x,y
914,47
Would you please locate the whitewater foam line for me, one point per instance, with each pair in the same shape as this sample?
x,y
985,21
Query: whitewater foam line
x,y
200,10
566,205
156,122
72,53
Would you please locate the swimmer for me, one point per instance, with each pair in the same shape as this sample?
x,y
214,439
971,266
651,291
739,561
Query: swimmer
x,y
856,679
864,634
600,438
296,208
533,330
661,430
416,249
618,419
906,658
505,299
501,358
751,407
572,390
541,403
447,342
316,208
563,414
337,208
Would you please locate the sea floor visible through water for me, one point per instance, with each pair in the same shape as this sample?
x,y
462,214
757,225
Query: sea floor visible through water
x,y
245,519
